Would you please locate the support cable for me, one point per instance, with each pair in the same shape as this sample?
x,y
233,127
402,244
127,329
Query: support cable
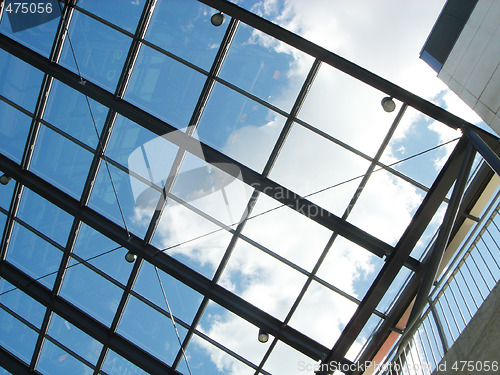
x,y
172,319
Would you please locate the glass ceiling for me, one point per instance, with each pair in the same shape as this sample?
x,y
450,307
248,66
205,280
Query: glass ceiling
x,y
225,160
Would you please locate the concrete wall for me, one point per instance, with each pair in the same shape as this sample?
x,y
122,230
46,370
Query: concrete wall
x,y
478,343
472,70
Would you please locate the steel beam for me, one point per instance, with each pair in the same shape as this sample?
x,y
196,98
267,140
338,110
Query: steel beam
x,y
163,261
13,364
83,321
205,152
484,149
436,255
338,62
407,242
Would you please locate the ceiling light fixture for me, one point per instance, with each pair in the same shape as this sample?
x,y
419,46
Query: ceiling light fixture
x,y
263,336
4,180
217,19
388,104
130,257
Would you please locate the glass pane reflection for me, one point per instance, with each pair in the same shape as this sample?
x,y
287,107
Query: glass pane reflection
x,y
116,364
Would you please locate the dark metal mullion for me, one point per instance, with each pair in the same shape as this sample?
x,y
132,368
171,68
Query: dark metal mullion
x,y
267,168
123,81
419,223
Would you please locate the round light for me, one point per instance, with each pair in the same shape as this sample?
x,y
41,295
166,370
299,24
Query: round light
x,y
4,179
388,104
217,19
263,336
130,257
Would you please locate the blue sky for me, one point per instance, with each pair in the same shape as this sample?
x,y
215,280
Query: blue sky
x,y
383,36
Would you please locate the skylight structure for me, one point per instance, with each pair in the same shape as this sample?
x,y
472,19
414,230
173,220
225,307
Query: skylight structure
x,y
146,130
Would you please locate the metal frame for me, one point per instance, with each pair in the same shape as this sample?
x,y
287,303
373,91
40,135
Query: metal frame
x,y
396,257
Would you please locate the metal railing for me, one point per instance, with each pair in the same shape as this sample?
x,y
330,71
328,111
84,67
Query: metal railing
x,y
455,298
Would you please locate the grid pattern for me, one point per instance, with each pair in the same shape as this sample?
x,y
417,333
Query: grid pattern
x,y
110,117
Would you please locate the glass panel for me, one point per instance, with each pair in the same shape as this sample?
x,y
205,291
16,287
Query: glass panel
x,y
329,310
191,239
115,364
350,267
36,27
183,300
211,190
92,244
14,128
141,151
289,234
235,334
100,51
186,31
392,201
265,67
75,117
150,330
61,162
239,127
164,87
91,293
45,217
286,360
123,14
74,339
21,303
262,280
206,359
325,108
55,361
17,337
33,255
19,81
305,171
136,214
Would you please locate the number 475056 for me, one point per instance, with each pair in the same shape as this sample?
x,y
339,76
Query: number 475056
x,y
29,8
476,366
